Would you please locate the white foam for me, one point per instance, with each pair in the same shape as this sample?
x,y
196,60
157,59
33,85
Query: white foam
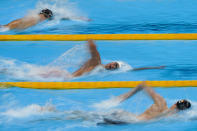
x,y
107,104
4,29
61,9
124,67
72,59
190,114
57,70
98,116
186,115
29,110
23,71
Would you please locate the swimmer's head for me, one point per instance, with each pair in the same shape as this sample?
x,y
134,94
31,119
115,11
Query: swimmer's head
x,y
183,104
47,13
112,66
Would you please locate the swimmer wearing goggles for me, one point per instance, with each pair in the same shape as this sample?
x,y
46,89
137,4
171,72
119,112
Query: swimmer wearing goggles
x,y
157,110
91,63
183,104
48,14
30,20
95,61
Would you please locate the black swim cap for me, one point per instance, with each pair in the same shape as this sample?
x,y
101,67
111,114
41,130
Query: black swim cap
x,y
47,13
183,104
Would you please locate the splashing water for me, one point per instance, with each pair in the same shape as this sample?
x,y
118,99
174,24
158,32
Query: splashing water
x,y
29,110
72,59
89,116
18,70
124,66
190,114
62,9
3,29
58,69
121,115
99,116
100,70
107,104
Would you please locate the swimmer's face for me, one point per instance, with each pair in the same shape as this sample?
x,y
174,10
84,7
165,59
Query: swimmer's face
x,y
112,66
48,14
183,104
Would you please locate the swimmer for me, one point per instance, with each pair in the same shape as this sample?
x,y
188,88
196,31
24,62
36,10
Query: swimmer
x,y
157,110
30,21
92,63
95,61
88,66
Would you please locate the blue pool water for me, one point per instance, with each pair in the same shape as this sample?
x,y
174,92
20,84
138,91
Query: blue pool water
x,y
32,109
24,114
108,17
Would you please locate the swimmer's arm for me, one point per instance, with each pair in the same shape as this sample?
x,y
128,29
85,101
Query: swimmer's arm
x,y
145,68
93,50
125,96
155,110
158,100
92,62
14,24
87,67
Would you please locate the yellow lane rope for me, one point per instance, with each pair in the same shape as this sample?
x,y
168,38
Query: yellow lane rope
x,y
97,85
83,37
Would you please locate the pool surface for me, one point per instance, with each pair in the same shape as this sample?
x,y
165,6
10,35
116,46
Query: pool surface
x,y
72,110
108,17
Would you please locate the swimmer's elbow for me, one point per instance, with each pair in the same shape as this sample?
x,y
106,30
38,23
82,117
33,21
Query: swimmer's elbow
x,y
160,101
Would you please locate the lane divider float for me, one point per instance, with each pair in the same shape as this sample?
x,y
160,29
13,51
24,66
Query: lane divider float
x,y
97,85
84,37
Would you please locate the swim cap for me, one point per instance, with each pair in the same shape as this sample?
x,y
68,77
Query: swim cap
x,y
183,104
47,13
124,66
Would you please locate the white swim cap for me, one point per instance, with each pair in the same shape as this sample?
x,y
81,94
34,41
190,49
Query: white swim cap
x,y
124,66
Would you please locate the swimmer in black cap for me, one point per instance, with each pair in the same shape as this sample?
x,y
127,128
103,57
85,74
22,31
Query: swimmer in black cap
x,y
47,13
32,20
157,110
29,21
183,104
